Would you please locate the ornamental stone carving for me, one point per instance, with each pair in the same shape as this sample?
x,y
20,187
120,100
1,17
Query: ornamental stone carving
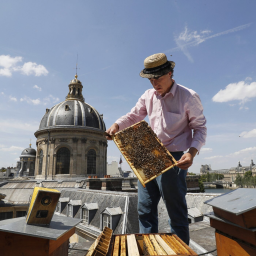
x,y
75,140
83,140
93,141
63,140
52,140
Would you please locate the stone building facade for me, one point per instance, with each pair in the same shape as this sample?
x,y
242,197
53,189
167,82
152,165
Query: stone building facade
x,y
70,139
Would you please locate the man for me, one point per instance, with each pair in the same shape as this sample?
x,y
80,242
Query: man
x,y
174,111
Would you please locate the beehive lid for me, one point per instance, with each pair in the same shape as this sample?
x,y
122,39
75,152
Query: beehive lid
x,y
237,201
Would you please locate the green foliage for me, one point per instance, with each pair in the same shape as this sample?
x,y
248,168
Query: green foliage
x,y
3,169
209,177
246,181
191,173
201,186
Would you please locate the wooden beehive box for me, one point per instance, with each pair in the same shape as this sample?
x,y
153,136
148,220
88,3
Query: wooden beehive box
x,y
237,206
144,152
148,244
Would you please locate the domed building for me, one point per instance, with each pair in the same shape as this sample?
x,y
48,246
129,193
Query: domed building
x,y
27,162
71,134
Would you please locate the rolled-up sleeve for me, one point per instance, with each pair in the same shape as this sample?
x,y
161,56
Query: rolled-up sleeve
x,y
197,121
136,114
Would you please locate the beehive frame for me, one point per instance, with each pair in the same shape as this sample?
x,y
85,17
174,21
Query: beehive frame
x,y
139,173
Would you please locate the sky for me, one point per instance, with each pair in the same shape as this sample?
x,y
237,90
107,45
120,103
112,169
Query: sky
x,y
211,42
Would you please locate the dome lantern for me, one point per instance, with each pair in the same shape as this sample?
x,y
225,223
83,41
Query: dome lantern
x,y
75,90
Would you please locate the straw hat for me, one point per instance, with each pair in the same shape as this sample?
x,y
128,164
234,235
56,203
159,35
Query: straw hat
x,y
156,65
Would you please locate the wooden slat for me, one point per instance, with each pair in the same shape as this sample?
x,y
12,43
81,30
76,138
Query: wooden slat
x,y
132,246
172,244
158,248
184,245
116,246
164,245
149,247
123,246
178,245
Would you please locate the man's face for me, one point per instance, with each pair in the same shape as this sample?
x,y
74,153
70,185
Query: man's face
x,y
163,84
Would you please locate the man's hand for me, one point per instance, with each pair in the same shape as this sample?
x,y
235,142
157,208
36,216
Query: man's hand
x,y
112,130
187,159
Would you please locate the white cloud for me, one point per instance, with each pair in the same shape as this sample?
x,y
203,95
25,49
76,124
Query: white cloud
x,y
240,152
47,100
236,91
203,150
30,101
12,148
248,78
249,134
31,68
213,157
37,87
14,126
12,98
10,64
2,93
193,38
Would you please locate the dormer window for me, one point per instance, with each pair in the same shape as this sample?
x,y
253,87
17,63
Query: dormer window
x,y
110,217
67,108
63,201
73,207
88,212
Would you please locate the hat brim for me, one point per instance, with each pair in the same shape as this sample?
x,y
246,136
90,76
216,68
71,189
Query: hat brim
x,y
158,73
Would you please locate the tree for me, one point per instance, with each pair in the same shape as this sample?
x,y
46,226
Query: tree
x,y
3,169
201,186
239,180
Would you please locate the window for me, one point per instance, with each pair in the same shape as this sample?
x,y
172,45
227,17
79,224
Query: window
x,y
85,216
91,162
6,215
63,161
106,220
20,214
70,210
41,155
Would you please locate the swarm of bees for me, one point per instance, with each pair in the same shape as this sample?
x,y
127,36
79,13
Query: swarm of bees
x,y
143,150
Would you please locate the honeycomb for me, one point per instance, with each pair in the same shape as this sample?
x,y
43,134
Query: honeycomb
x,y
143,151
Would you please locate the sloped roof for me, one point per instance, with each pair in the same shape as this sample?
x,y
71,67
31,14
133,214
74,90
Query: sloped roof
x,y
91,206
64,199
75,202
113,211
107,199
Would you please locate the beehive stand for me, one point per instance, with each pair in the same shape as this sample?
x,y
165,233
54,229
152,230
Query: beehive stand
x,y
144,152
19,239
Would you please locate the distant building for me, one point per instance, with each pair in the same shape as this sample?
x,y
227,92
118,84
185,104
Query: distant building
x,y
231,173
70,139
115,171
27,162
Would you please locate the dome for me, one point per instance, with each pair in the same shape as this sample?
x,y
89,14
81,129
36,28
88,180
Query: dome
x,y
28,152
73,112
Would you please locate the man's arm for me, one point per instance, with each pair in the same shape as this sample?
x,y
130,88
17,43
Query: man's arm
x,y
136,114
112,130
187,159
197,123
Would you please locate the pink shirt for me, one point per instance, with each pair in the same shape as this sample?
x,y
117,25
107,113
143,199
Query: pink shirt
x,y
172,117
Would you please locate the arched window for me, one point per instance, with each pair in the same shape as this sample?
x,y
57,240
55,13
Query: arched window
x,y
41,156
91,162
63,160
